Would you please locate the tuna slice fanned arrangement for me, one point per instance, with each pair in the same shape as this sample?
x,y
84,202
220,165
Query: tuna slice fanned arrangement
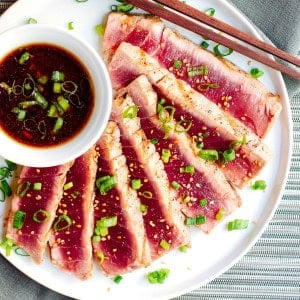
x,y
185,133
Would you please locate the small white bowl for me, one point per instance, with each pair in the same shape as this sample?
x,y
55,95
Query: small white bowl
x,y
27,155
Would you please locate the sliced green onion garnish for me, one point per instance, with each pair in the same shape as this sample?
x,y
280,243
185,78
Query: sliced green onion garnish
x,y
63,103
23,58
165,155
158,276
187,169
43,79
256,73
258,185
37,186
237,224
100,29
183,125
198,220
96,238
106,183
68,185
219,52
41,216
63,222
229,155
195,71
102,225
58,124
154,141
6,188
117,279
165,245
175,185
31,21
19,218
124,7
205,86
71,25
209,154
220,214
23,188
204,44
100,256
210,11
130,112
236,144
56,87
177,64
136,184
20,251
203,202
8,245
166,114
57,76
40,99
143,208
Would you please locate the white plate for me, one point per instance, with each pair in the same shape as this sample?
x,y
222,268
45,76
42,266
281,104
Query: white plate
x,y
211,254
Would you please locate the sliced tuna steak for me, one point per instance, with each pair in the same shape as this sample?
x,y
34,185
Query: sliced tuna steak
x,y
34,206
163,219
70,241
244,97
206,182
119,240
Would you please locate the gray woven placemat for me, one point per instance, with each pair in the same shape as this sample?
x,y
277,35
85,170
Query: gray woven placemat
x,y
269,271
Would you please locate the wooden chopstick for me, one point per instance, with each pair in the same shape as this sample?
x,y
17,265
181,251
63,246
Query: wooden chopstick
x,y
190,18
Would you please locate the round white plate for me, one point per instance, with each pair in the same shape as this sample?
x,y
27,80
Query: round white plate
x,y
211,254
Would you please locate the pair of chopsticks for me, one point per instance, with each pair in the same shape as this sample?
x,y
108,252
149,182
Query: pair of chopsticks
x,y
201,23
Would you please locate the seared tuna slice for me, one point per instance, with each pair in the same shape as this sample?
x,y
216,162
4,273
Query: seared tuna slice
x,y
235,91
208,124
163,219
119,241
33,208
194,180
70,241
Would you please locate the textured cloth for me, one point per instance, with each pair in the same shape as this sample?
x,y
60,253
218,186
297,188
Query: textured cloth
x,y
271,269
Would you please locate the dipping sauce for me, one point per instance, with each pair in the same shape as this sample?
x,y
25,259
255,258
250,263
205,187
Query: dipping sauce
x,y
46,96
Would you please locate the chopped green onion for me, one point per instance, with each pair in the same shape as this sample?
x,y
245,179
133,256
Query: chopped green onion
x,y
24,57
220,214
58,124
52,112
5,187
165,155
236,144
63,103
158,276
183,125
37,186
164,115
195,71
183,249
177,64
31,21
117,279
209,154
43,79
165,245
19,218
100,29
107,221
258,185
106,183
20,251
125,7
203,202
130,112
63,222
187,169
56,87
228,155
154,141
71,25
220,53
96,238
8,245
175,185
205,86
23,188
40,99
237,224
68,185
57,76
198,220
136,184
256,73
204,44
143,208
210,11
41,216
